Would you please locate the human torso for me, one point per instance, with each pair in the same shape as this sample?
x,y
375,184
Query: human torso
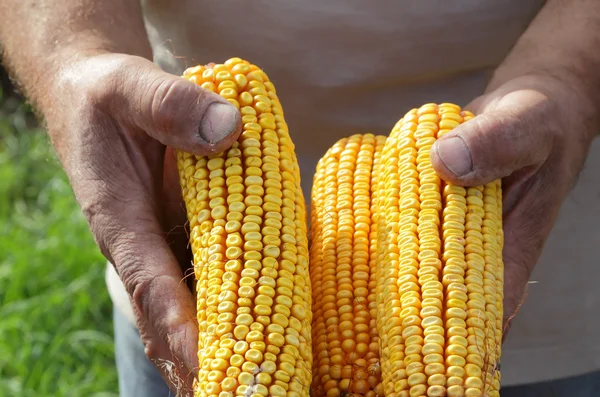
x,y
348,66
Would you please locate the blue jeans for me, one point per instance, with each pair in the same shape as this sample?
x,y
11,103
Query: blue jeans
x,y
587,385
137,375
139,378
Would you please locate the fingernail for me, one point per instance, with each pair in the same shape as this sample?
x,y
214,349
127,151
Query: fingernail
x,y
455,155
218,122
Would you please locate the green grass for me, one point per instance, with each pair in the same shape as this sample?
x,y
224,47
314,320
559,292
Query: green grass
x,y
55,313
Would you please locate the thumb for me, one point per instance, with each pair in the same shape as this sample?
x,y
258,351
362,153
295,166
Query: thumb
x,y
175,111
493,145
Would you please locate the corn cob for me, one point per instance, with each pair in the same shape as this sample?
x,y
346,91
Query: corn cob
x,y
248,236
342,268
440,275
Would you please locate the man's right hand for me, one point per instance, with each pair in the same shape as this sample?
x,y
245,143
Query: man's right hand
x,y
112,120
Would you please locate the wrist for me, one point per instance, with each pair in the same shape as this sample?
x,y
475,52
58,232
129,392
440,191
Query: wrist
x,y
43,81
74,69
86,46
579,94
80,87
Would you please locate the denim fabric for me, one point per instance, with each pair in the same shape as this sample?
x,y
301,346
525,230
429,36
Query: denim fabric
x,y
587,385
137,376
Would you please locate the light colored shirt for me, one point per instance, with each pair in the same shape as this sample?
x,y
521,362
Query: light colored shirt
x,y
352,66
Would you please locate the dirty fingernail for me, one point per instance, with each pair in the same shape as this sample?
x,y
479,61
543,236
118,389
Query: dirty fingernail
x,y
218,122
455,155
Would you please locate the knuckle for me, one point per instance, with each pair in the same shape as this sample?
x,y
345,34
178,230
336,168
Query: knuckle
x,y
163,103
172,102
497,143
137,280
152,351
177,335
144,287
112,79
96,87
489,130
96,206
99,96
100,228
98,209
108,76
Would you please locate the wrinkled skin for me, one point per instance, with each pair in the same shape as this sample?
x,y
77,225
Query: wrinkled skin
x,y
126,182
534,132
112,116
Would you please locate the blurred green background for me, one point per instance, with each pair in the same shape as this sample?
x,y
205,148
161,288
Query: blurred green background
x,y
55,312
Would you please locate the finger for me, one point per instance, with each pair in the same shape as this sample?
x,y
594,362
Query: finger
x,y
175,111
174,217
526,228
179,380
153,279
494,145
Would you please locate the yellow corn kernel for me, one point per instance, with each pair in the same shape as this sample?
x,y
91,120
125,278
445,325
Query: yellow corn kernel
x,y
249,241
440,272
343,258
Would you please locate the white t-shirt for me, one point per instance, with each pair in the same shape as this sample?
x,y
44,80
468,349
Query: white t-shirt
x,y
349,66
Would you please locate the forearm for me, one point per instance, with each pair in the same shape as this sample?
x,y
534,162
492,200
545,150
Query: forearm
x,y
40,37
562,42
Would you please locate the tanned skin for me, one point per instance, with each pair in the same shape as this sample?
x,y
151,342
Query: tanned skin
x,y
111,114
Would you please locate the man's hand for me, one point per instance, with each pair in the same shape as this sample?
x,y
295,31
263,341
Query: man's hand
x,y
115,114
534,132
111,117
